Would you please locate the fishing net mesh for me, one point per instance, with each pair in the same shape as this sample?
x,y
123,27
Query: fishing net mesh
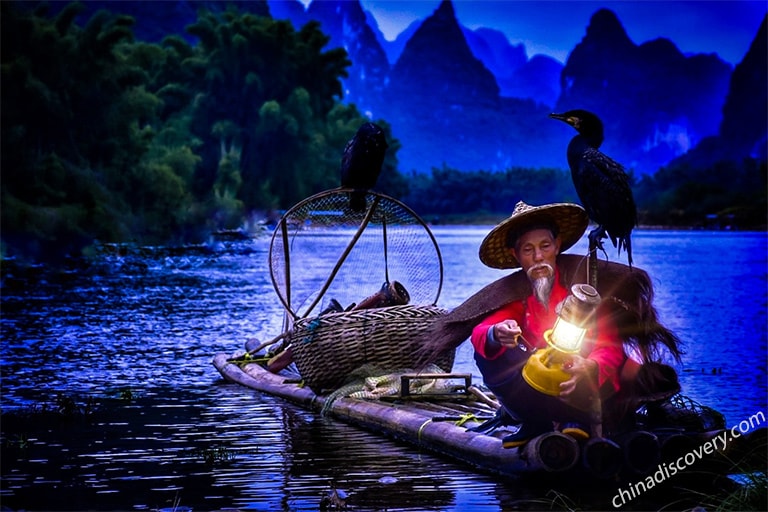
x,y
680,411
322,250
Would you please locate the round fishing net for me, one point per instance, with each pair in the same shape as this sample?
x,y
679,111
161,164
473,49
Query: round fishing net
x,y
325,256
680,411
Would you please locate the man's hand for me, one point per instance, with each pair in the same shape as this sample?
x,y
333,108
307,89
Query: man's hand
x,y
582,386
507,333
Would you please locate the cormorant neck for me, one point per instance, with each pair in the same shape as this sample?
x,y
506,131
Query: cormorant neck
x,y
578,144
590,140
576,149
594,139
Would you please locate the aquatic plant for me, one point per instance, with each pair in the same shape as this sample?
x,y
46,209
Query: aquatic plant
x,y
552,500
749,489
67,406
752,495
216,454
20,441
127,394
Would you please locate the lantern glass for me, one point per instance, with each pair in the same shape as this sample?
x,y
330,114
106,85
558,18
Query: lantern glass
x,y
566,336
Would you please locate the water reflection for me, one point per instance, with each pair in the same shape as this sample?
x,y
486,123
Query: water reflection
x,y
110,400
375,476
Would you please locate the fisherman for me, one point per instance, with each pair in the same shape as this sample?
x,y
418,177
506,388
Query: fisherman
x,y
516,310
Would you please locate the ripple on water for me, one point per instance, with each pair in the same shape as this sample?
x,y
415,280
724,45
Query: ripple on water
x,y
117,406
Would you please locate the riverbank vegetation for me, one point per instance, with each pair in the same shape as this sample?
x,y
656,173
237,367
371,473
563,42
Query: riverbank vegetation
x,y
110,139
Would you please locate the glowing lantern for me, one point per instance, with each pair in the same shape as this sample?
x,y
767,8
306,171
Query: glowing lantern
x,y
544,369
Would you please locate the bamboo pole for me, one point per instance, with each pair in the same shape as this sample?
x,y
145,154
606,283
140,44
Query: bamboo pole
x,y
343,257
597,403
592,271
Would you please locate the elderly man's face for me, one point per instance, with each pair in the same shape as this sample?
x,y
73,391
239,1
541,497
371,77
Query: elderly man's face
x,y
536,251
536,247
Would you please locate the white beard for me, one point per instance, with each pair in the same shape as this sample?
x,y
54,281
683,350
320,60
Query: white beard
x,y
542,287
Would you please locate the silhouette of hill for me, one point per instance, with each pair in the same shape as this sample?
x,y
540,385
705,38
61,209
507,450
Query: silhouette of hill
x,y
348,27
423,72
471,100
743,131
451,90
655,102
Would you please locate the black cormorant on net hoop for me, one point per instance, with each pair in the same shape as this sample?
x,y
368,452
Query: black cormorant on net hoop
x,y
323,250
362,161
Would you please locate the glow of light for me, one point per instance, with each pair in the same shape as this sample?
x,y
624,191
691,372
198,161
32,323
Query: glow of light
x,y
566,336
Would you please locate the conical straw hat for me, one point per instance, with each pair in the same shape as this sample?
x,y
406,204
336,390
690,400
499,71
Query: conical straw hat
x,y
569,219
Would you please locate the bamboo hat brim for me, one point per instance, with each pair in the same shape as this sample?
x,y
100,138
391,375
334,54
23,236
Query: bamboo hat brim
x,y
569,219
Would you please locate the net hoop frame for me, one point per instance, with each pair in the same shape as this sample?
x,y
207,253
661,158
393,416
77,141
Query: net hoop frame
x,y
281,230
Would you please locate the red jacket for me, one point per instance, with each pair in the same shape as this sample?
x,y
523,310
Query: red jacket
x,y
607,350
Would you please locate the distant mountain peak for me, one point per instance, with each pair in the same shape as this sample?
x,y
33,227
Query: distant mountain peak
x,y
443,24
605,25
445,12
436,55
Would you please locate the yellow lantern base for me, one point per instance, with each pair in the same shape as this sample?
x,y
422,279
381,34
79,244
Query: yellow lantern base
x,y
544,371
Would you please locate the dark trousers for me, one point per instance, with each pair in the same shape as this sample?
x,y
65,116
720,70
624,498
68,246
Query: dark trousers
x,y
504,377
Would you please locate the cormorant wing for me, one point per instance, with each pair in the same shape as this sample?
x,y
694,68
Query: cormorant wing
x,y
604,186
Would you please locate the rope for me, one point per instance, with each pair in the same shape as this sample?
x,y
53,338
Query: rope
x,y
247,358
465,418
421,429
460,422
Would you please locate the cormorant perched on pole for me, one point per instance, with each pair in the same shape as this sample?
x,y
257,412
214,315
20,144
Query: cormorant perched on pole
x,y
601,183
361,163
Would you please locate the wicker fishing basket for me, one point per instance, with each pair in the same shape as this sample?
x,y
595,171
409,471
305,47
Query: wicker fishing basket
x,y
327,348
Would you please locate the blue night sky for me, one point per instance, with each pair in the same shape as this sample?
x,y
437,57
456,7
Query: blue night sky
x,y
555,27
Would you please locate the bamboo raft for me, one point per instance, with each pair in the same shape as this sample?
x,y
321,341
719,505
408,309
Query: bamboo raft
x,y
440,424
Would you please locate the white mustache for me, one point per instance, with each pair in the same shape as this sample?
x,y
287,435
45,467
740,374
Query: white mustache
x,y
540,266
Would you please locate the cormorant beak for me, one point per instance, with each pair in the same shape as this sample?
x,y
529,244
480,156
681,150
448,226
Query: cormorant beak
x,y
573,121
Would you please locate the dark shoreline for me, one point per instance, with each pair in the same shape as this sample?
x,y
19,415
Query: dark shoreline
x,y
489,219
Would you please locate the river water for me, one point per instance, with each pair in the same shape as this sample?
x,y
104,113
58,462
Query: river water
x,y
110,401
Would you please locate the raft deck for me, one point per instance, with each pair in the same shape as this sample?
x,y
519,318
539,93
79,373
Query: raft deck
x,y
436,424
440,425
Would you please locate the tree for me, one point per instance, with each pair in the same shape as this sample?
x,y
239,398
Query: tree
x,y
109,139
450,191
74,126
266,89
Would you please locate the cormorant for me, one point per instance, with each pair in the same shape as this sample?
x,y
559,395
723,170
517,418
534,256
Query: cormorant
x,y
361,163
601,183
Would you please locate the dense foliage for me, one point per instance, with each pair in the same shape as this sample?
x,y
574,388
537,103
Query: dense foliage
x,y
109,139
728,194
447,192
